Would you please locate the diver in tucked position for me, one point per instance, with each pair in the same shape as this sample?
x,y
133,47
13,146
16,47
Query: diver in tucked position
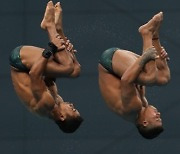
x,y
123,76
34,71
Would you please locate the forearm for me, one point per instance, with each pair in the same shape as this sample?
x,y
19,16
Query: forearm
x,y
51,84
144,101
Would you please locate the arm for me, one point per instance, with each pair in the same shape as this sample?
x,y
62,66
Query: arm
x,y
141,91
60,64
41,95
129,94
68,60
50,83
148,75
62,57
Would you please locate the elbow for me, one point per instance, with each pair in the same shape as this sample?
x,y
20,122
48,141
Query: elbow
x,y
69,69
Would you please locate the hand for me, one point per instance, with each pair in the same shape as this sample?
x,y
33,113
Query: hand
x,y
164,54
149,54
59,43
69,46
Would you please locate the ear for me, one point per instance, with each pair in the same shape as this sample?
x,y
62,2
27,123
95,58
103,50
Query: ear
x,y
145,123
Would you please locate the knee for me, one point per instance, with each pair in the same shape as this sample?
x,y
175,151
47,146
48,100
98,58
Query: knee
x,y
76,72
69,68
163,80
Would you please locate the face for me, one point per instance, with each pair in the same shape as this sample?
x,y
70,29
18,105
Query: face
x,y
152,116
68,110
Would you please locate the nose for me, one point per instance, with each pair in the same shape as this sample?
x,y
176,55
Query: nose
x,y
158,114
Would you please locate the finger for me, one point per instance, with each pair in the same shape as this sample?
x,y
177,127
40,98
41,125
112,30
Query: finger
x,y
68,49
164,55
58,36
62,41
163,51
67,42
168,59
71,46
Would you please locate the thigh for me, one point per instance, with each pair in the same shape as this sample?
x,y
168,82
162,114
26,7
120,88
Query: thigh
x,y
121,60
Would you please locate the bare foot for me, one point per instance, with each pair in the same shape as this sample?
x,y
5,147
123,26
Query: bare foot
x,y
156,32
58,17
49,18
152,25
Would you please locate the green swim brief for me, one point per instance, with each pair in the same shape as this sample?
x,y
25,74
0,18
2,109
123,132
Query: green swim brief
x,y
106,59
15,60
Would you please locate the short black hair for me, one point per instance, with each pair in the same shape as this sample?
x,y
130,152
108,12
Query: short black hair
x,y
149,133
70,125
